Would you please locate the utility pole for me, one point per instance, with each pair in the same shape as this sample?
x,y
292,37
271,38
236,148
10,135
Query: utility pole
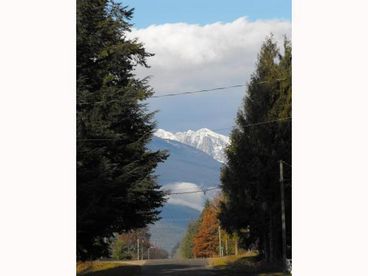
x,y
236,246
283,223
142,250
226,247
137,249
220,247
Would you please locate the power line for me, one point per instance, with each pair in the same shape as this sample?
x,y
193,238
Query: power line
x,y
170,192
185,92
192,192
268,122
177,219
256,124
248,125
198,91
211,89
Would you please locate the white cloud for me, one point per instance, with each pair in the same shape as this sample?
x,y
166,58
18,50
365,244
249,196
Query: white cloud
x,y
191,56
192,200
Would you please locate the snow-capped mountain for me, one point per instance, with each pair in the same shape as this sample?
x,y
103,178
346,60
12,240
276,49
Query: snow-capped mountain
x,y
203,139
186,169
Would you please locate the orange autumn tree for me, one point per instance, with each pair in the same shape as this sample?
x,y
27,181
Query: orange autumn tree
x,y
205,242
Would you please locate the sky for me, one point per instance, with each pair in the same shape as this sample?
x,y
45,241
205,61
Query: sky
x,y
202,45
149,12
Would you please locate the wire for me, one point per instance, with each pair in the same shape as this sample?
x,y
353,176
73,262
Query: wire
x,y
170,192
198,91
192,192
211,89
256,124
268,122
177,219
248,125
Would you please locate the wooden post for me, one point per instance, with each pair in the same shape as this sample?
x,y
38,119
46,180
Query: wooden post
x,y
283,223
219,233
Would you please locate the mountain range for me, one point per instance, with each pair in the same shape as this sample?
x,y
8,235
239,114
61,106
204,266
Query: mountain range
x,y
193,165
203,139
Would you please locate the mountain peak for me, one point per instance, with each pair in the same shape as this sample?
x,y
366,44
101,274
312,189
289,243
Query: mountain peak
x,y
165,134
203,139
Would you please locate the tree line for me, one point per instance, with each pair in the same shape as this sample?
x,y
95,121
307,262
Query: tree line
x,y
249,209
203,236
261,139
136,244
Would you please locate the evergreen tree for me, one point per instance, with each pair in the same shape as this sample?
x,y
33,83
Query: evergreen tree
x,y
116,188
186,244
250,179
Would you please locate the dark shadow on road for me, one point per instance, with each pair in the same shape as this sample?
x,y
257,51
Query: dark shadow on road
x,y
186,270
126,270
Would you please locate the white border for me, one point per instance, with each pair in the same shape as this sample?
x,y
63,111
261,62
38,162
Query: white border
x,y
37,113
329,137
37,106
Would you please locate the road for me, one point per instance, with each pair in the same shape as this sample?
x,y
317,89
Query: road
x,y
171,267
174,267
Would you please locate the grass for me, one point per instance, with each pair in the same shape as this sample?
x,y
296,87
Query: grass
x,y
248,262
230,260
96,268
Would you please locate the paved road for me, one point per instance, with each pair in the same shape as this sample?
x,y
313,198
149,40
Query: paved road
x,y
178,267
170,267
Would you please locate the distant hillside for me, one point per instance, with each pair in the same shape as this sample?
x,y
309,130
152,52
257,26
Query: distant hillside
x,y
186,164
186,169
171,228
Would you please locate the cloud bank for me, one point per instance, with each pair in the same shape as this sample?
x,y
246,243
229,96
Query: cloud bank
x,y
192,200
191,57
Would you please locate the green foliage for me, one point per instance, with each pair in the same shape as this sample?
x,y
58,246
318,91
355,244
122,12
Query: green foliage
x,y
250,179
116,188
124,246
118,251
201,238
186,245
175,251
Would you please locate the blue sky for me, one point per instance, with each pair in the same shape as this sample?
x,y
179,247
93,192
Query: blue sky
x,y
202,44
148,12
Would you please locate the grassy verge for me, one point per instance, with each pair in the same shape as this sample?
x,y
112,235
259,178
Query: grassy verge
x,y
246,263
231,260
106,268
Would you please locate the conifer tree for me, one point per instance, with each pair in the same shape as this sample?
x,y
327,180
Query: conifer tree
x,y
250,179
116,187
205,241
186,244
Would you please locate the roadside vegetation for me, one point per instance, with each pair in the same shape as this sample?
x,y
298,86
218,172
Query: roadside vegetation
x,y
256,203
201,239
253,211
92,267
248,263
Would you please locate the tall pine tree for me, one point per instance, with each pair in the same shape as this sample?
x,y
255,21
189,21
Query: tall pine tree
x,y
250,179
116,188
